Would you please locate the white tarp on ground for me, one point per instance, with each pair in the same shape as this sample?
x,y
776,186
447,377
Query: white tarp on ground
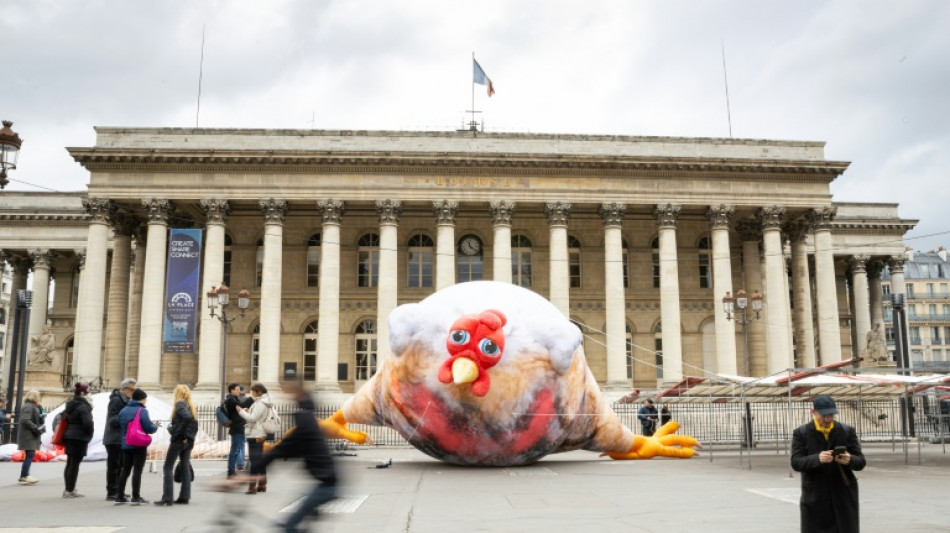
x,y
159,411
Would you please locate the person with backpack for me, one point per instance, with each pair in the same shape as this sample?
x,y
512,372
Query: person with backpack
x,y
112,436
134,454
235,426
79,431
182,433
260,414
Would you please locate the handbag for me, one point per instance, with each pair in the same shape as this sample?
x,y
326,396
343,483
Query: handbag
x,y
57,439
271,424
178,469
222,414
134,435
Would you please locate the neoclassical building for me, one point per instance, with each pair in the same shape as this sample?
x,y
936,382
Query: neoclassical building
x,y
636,239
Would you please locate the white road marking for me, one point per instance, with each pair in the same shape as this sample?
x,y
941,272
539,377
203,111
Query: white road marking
x,y
343,504
785,494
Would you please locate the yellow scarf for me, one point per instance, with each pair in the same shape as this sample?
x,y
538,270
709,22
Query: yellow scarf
x,y
824,431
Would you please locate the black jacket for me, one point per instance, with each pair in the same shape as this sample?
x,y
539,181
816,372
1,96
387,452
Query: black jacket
x,y
306,442
78,414
829,502
237,421
113,431
183,426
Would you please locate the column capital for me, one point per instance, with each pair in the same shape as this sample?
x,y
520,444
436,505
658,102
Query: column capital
x,y
612,213
797,230
501,211
388,211
821,217
858,263
81,257
273,210
157,210
558,213
666,215
896,264
216,210
125,224
445,211
874,269
19,264
42,258
332,210
749,229
770,217
100,210
720,216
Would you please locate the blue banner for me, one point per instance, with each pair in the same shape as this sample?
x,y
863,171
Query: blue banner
x,y
181,291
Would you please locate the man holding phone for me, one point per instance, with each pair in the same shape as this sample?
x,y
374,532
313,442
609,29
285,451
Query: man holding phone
x,y
827,453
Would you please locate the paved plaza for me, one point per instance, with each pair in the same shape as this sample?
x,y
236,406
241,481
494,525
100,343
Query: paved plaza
x,y
573,492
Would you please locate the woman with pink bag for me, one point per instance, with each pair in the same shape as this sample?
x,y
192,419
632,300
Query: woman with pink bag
x,y
136,428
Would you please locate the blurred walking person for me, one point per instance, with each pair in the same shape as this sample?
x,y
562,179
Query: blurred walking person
x,y
256,435
79,430
30,429
182,433
133,457
112,436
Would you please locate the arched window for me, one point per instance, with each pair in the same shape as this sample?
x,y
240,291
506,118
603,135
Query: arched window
x,y
368,260
227,260
705,272
469,263
655,245
255,351
365,350
313,260
310,352
629,350
420,261
259,277
521,261
68,360
574,261
658,348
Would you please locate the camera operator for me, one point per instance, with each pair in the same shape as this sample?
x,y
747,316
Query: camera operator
x,y
827,453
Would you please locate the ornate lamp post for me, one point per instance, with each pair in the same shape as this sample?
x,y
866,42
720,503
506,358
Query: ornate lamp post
x,y
10,144
221,296
739,306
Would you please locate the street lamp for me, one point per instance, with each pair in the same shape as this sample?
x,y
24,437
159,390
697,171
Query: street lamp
x,y
10,144
21,317
739,306
221,296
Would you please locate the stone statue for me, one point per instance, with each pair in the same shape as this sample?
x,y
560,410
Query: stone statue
x,y
876,350
41,353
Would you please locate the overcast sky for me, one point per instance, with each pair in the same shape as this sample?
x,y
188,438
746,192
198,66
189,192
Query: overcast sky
x,y
870,78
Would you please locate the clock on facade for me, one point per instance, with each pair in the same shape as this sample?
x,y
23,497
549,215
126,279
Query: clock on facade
x,y
470,246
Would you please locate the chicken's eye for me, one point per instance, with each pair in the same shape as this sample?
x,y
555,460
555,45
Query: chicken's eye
x,y
459,336
489,347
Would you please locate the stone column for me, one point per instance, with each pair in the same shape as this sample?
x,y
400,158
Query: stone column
x,y
328,341
153,293
776,296
876,293
615,296
271,287
753,363
501,211
862,302
802,319
133,338
42,265
719,218
21,269
117,316
826,293
445,211
558,214
209,340
87,345
387,289
670,293
896,265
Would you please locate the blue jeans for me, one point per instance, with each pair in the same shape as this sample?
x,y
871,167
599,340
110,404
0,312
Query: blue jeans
x,y
27,462
321,494
237,448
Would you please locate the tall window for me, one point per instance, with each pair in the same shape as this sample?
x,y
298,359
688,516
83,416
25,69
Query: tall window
x,y
469,263
3,317
629,350
935,335
310,352
626,267
656,262
420,261
521,261
931,291
910,290
574,261
313,260
886,290
255,351
68,360
259,272
365,350
705,272
932,308
227,260
368,260
74,288
915,335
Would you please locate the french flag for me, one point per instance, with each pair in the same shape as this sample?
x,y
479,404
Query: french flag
x,y
481,78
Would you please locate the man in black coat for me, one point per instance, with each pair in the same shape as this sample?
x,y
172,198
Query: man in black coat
x,y
112,436
648,417
235,428
827,453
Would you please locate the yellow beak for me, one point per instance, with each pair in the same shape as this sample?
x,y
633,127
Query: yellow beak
x,y
464,370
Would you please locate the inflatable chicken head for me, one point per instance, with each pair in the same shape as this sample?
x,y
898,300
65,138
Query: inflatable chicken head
x,y
475,343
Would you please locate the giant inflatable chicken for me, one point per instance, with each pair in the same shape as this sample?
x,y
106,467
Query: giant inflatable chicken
x,y
489,373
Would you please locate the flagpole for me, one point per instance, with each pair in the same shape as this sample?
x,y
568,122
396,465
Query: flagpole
x,y
472,125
